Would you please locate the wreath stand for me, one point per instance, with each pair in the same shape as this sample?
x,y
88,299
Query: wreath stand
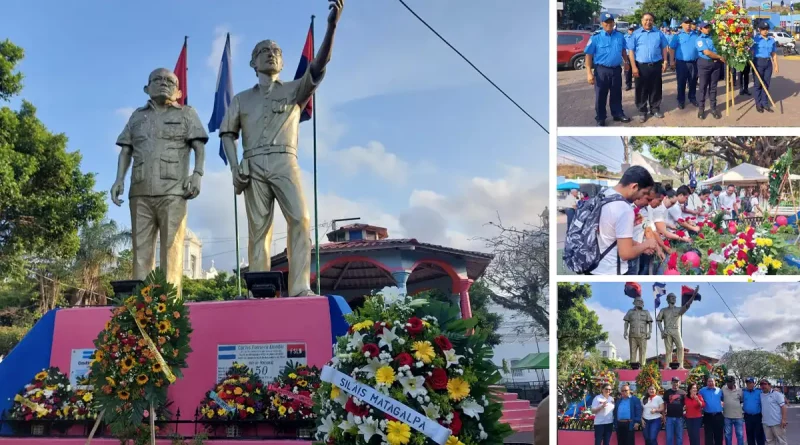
x,y
729,96
784,181
152,426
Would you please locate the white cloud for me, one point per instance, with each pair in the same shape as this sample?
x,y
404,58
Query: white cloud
x,y
714,333
218,45
372,159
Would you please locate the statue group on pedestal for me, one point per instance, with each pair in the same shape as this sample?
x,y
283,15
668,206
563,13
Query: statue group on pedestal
x,y
158,139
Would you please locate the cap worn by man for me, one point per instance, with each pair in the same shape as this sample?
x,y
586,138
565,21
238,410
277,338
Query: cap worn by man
x,y
605,17
763,25
676,379
687,20
750,380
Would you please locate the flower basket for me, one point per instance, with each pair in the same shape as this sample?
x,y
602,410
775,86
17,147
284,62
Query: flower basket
x,y
289,396
238,395
44,400
733,33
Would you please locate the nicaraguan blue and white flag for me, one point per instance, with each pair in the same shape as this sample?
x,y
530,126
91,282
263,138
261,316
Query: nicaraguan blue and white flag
x,y
659,290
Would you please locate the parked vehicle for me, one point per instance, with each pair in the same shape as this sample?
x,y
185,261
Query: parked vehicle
x,y
622,27
571,44
781,37
789,49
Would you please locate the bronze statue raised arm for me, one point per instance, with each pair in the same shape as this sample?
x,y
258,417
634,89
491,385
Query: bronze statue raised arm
x,y
157,140
268,118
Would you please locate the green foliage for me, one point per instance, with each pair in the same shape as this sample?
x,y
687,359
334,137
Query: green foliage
x,y
479,297
221,287
9,337
578,326
616,364
44,196
649,376
581,11
665,10
777,175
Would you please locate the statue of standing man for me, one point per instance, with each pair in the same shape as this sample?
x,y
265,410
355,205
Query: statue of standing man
x,y
671,328
158,139
637,330
268,117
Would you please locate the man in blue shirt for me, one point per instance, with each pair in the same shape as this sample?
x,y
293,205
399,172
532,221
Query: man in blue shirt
x,y
627,416
629,73
683,48
713,421
605,54
764,58
752,413
647,50
669,36
708,70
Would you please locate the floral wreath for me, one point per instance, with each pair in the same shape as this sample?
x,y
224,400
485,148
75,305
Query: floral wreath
x,y
139,353
734,32
81,403
289,395
700,373
579,384
776,176
46,397
239,395
416,352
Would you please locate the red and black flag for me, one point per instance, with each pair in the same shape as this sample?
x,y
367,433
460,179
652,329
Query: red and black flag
x,y
302,67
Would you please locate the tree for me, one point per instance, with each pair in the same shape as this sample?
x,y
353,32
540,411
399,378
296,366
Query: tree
x,y
578,326
221,287
666,10
600,168
44,196
752,363
580,12
518,276
99,243
672,151
479,297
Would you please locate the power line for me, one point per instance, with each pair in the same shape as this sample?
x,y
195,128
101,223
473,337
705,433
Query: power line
x,y
734,315
473,65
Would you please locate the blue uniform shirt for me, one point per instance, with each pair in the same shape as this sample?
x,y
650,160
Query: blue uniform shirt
x,y
685,46
704,42
606,48
647,45
712,397
752,401
763,48
624,409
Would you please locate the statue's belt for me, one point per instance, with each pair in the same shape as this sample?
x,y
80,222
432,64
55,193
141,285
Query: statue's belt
x,y
268,149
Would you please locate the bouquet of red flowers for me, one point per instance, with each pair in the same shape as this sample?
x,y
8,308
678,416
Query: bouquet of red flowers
x,y
289,396
45,398
240,394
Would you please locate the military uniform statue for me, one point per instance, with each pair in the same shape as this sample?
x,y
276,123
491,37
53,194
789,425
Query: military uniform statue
x,y
157,140
671,328
637,330
268,117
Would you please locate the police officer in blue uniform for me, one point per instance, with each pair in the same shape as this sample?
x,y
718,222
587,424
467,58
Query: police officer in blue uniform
x,y
605,54
684,60
765,58
647,50
629,73
669,36
709,67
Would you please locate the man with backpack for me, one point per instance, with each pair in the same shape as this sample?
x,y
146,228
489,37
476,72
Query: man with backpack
x,y
600,239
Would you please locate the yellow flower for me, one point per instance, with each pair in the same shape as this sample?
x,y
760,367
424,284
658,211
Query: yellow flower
x,y
87,397
157,367
302,383
123,395
457,388
385,375
111,382
398,433
366,324
276,401
740,263
163,327
161,308
142,379
740,241
237,391
453,440
220,412
281,410
335,392
210,413
292,376
41,376
423,350
128,363
777,264
251,410
768,242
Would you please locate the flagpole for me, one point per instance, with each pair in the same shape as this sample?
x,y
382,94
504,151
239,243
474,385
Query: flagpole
x,y
235,206
316,207
186,70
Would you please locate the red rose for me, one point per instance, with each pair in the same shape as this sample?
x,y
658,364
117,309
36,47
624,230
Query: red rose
x,y
751,269
404,359
356,410
741,255
249,387
666,243
710,251
720,231
443,343
701,236
414,326
455,425
242,414
438,379
712,268
240,400
372,349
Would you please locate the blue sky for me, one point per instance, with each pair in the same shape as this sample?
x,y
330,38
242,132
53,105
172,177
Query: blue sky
x,y
409,136
766,310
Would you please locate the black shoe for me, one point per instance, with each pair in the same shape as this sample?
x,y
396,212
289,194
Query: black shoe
x,y
624,119
701,114
658,114
601,123
681,106
628,88
745,92
769,109
694,102
715,113
759,109
643,118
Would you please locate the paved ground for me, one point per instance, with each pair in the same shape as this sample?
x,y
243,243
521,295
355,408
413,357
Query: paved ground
x,y
793,430
525,437
576,102
561,234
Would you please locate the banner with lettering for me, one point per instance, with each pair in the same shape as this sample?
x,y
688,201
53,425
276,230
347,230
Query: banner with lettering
x,y
399,411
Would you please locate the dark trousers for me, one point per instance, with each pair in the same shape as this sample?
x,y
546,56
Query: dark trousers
x,y
602,434
570,216
708,75
644,264
648,87
625,435
744,78
754,429
629,79
764,68
607,82
686,72
693,429
713,425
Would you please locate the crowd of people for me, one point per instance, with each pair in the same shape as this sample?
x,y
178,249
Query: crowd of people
x,y
637,217
645,53
721,412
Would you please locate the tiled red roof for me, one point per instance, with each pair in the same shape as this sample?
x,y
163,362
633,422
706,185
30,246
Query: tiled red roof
x,y
362,244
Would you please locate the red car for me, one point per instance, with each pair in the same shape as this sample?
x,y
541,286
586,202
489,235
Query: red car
x,y
570,49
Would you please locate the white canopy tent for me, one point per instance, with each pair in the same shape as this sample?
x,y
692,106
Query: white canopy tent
x,y
743,175
656,170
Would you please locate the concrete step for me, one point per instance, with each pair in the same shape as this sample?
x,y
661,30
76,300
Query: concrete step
x,y
523,428
519,414
516,404
509,396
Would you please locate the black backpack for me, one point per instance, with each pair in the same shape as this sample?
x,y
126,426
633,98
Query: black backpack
x,y
581,250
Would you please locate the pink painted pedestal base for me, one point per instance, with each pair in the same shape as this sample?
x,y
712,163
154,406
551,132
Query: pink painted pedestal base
x,y
105,441
587,438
